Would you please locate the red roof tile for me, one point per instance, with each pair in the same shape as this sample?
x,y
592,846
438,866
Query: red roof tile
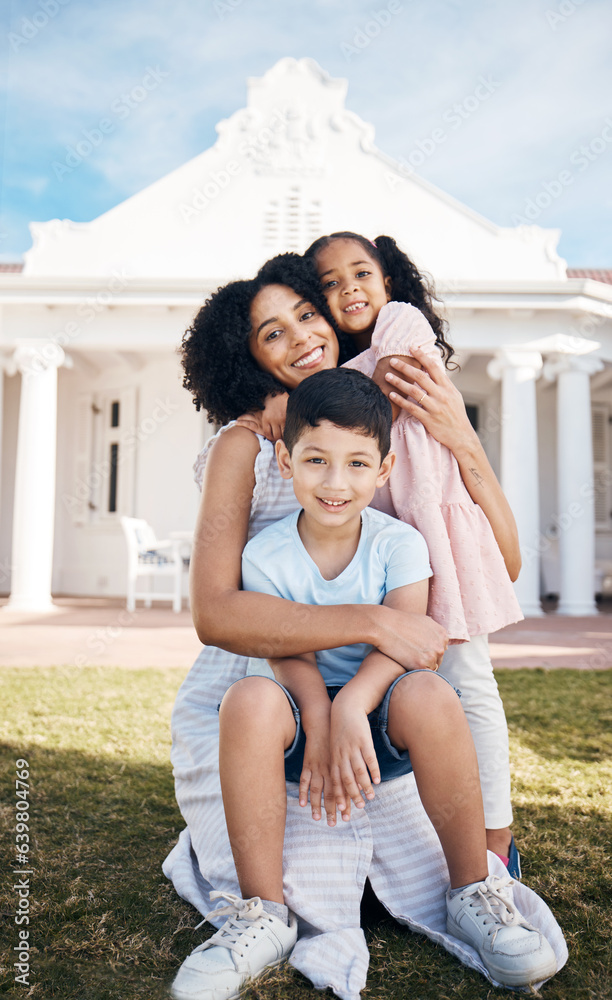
x,y
594,273
11,267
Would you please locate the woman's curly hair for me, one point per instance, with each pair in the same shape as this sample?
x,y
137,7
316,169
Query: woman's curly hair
x,y
407,283
220,371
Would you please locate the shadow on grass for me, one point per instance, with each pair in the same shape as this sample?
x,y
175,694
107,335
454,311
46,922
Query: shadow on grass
x,y
103,918
106,925
560,713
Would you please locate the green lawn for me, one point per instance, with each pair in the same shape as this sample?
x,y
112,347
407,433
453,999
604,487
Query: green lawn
x,y
105,924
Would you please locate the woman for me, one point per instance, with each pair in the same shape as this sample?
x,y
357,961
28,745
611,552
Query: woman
x,y
254,339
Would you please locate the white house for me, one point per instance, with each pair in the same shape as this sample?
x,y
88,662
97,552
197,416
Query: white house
x,y
95,422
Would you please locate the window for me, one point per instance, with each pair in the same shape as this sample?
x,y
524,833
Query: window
x,y
472,414
109,413
601,465
112,478
105,457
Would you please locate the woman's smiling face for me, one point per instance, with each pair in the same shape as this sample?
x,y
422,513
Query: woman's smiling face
x,y
289,338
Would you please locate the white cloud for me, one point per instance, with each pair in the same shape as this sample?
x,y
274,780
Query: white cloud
x,y
554,87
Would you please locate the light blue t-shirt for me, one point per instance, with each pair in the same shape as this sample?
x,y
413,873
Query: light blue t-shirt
x,y
390,554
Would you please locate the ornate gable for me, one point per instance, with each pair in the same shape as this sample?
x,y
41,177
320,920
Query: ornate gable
x,y
292,164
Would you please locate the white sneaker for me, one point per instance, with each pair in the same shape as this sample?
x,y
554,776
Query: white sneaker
x,y
485,916
250,941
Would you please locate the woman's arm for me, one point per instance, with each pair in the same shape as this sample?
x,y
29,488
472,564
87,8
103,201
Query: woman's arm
x,y
261,625
442,413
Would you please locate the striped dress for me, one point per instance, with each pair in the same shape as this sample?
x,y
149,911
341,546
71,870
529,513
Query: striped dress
x,y
390,841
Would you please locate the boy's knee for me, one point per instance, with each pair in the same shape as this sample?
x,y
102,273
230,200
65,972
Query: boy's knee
x,y
251,698
427,689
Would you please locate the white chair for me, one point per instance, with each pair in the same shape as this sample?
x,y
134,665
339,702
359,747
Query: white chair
x,y
152,559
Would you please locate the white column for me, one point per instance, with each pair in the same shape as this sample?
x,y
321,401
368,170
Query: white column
x,y
33,516
575,517
518,370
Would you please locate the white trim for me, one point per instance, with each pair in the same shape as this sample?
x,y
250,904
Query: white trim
x,y
580,293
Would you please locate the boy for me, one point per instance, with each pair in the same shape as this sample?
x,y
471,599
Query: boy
x,y
341,720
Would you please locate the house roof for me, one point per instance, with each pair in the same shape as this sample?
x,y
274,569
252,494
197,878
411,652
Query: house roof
x,y
594,273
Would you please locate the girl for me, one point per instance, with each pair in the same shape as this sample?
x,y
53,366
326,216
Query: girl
x,y
377,296
242,491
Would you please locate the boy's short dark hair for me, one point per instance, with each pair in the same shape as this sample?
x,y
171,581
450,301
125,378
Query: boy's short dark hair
x,y
345,397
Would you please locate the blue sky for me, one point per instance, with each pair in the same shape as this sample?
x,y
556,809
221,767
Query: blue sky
x,y
537,145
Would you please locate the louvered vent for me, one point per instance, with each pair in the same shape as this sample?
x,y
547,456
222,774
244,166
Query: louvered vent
x,y
292,222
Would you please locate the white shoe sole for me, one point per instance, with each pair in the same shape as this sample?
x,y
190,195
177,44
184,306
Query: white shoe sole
x,y
180,995
546,969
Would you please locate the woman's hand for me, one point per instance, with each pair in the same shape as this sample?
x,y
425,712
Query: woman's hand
x,y
428,394
414,641
431,397
269,422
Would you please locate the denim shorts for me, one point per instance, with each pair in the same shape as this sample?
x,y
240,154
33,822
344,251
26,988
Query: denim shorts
x,y
392,763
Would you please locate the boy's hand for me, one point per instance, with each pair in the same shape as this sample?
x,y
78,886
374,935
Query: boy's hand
x,y
354,766
269,422
316,776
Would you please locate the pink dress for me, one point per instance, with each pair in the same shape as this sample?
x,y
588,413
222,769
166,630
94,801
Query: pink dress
x,y
471,592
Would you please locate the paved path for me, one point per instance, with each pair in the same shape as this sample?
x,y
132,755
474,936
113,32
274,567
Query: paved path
x,y
100,632
553,642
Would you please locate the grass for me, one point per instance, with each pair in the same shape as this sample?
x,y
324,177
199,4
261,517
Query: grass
x,y
105,924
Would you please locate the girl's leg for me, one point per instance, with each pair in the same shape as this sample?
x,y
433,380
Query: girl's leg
x,y
468,667
256,727
427,719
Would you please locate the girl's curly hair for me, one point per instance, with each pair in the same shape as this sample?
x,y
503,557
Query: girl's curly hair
x,y
220,371
407,283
